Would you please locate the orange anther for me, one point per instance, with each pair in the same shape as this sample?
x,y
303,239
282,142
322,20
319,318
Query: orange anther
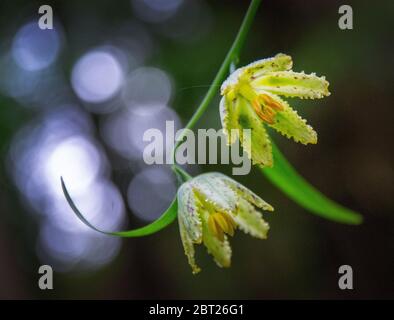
x,y
267,100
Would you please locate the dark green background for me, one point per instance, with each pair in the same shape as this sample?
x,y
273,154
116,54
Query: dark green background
x,y
352,163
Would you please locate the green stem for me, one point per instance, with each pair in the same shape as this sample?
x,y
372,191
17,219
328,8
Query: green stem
x,y
232,55
170,214
181,174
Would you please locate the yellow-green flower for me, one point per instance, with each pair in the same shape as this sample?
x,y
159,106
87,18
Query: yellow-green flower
x,y
251,99
210,207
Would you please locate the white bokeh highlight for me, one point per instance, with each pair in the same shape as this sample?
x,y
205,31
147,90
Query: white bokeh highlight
x,y
155,11
97,76
123,130
147,86
34,49
150,192
60,144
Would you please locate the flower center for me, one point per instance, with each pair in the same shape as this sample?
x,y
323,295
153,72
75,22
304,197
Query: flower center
x,y
266,107
263,104
220,223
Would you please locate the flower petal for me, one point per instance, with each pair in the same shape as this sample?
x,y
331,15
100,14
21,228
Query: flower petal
x,y
220,250
250,220
189,209
258,147
247,194
214,193
281,62
188,246
292,84
291,125
227,118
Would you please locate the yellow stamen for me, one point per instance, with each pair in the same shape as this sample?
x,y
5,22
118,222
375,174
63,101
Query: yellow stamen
x,y
231,222
212,226
220,234
220,223
256,104
230,228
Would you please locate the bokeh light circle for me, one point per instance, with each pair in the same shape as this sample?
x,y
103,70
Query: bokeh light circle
x,y
35,49
97,76
150,192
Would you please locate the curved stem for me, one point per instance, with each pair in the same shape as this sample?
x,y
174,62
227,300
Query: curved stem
x,y
170,214
232,55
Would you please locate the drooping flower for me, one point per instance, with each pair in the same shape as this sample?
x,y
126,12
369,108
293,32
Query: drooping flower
x,y
250,98
210,208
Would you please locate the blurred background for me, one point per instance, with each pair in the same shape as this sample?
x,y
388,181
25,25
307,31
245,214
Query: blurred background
x,y
75,101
